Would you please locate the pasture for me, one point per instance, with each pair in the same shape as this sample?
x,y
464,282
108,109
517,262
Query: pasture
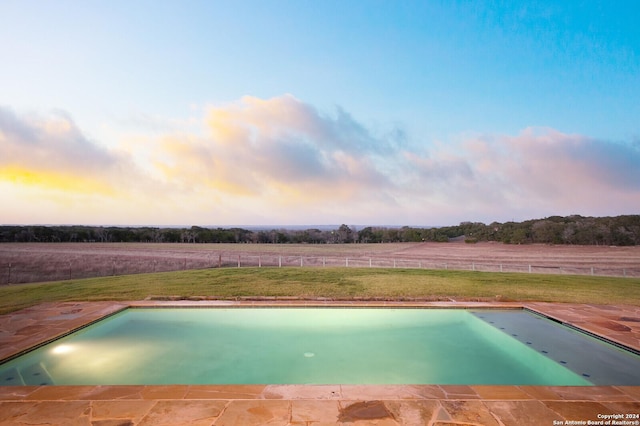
x,y
357,282
39,262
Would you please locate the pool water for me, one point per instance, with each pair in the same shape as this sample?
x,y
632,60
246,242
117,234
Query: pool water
x,y
323,346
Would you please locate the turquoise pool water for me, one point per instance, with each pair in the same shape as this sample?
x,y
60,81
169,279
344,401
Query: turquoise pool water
x,y
318,346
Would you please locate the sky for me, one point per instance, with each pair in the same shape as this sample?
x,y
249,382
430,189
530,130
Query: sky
x,y
220,113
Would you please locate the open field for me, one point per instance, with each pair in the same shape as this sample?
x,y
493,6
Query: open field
x,y
388,271
39,262
333,283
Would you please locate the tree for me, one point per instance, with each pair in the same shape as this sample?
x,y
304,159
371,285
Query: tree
x,y
547,232
344,234
411,234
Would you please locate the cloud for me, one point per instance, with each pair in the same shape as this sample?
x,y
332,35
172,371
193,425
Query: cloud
x,y
52,152
279,148
51,172
535,173
280,160
284,152
548,161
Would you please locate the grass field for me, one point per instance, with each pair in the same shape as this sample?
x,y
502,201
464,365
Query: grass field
x,y
334,283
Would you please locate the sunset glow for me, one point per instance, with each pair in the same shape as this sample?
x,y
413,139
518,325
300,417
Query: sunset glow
x,y
53,181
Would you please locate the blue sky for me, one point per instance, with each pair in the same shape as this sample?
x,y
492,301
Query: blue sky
x,y
297,112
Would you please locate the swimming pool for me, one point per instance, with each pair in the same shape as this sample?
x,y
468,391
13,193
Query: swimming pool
x,y
324,346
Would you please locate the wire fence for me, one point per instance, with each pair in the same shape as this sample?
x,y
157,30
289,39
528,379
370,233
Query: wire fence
x,y
78,267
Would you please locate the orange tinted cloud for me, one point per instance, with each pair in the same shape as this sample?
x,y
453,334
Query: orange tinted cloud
x,y
284,146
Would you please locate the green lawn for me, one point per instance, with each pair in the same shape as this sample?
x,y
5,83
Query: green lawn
x,y
337,283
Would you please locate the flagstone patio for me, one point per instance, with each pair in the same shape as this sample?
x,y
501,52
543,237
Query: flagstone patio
x,y
309,405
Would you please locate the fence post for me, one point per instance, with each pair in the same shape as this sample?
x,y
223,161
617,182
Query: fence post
x,y
529,268
369,262
69,269
323,261
624,272
346,260
114,267
473,266
301,261
238,261
592,270
9,275
259,261
279,261
394,263
501,267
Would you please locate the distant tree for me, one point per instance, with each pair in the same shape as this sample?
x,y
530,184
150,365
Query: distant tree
x,y
103,235
344,234
187,236
519,236
410,234
316,236
547,232
574,229
365,235
170,235
263,237
391,235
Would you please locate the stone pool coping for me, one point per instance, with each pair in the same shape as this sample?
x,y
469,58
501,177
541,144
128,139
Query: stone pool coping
x,y
308,405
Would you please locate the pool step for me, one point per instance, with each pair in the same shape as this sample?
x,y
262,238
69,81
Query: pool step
x,y
36,374
11,377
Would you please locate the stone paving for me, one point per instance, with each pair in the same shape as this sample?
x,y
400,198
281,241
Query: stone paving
x,y
308,405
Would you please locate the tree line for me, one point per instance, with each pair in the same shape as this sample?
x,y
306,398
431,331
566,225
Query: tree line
x,y
575,229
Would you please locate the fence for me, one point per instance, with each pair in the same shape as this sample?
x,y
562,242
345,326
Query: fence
x,y
89,266
377,262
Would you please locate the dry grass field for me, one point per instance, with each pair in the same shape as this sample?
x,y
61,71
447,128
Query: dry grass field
x,y
605,260
40,262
